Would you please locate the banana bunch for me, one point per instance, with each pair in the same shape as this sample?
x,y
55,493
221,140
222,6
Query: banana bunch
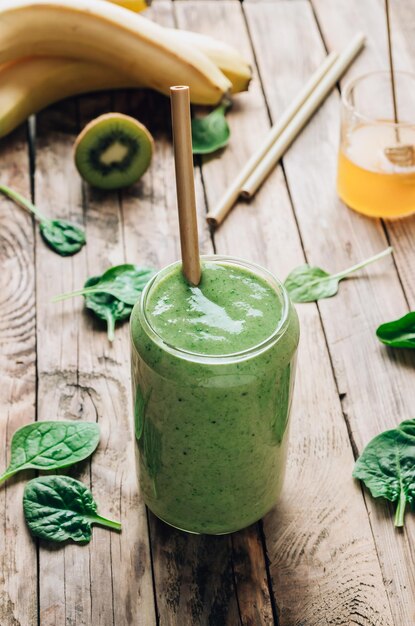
x,y
53,49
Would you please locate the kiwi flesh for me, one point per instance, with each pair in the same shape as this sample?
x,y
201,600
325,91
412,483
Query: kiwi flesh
x,y
113,151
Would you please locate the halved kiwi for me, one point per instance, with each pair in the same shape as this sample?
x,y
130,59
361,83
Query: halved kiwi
x,y
113,151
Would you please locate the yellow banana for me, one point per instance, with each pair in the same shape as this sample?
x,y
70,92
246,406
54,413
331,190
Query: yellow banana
x,y
99,31
132,5
29,85
228,60
226,57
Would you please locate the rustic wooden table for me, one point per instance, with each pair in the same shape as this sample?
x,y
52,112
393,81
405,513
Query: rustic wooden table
x,y
328,554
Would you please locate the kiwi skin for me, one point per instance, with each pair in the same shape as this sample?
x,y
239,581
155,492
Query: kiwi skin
x,y
126,145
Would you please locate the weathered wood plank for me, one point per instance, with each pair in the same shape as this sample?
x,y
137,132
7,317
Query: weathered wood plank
x,y
18,562
338,25
375,386
64,575
248,557
193,575
82,376
322,557
113,472
255,600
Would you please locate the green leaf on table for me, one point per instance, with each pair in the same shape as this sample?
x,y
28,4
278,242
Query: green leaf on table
x,y
211,132
106,307
65,238
387,467
123,282
399,333
60,508
306,284
51,445
309,284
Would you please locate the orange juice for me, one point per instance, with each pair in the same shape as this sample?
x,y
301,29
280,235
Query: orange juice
x,y
367,180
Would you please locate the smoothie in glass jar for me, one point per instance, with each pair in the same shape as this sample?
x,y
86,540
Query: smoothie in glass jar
x,y
213,370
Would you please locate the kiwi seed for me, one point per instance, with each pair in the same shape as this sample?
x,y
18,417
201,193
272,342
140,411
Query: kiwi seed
x,y
113,151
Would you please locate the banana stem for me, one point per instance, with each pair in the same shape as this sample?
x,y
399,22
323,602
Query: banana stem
x,y
23,202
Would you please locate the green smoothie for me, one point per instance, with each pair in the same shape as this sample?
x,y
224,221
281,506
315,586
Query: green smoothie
x,y
213,370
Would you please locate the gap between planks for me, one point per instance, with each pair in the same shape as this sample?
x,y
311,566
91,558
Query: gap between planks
x,y
31,150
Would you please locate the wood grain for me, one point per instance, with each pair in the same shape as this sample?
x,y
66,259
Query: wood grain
x,y
18,560
82,376
375,385
322,556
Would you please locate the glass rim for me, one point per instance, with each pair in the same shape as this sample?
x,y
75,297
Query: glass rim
x,y
345,93
231,357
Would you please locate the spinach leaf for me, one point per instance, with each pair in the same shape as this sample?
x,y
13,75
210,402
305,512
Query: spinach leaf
x,y
106,307
387,467
123,282
51,445
399,333
62,236
60,508
308,284
211,132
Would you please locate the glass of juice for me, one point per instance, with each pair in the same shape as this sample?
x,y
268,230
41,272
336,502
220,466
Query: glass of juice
x,y
376,167
213,371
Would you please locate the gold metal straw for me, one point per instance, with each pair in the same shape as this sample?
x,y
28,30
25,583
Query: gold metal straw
x,y
185,184
219,212
298,122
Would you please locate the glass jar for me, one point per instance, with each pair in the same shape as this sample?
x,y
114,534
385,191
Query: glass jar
x,y
376,165
212,430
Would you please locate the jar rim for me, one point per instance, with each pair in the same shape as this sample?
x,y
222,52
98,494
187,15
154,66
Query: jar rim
x,y
345,98
218,358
